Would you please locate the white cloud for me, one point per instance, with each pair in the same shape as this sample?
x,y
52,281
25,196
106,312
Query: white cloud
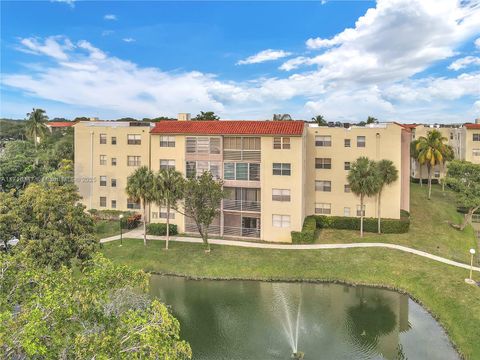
x,y
265,55
477,43
53,46
464,62
110,17
107,32
129,39
68,2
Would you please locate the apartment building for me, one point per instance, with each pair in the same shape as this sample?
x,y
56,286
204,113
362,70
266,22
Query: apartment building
x,y
274,172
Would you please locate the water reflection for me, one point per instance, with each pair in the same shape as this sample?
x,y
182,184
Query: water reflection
x,y
248,320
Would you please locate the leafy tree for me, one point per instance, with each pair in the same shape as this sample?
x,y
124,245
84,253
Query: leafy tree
x,y
168,192
372,120
463,177
449,155
9,218
127,119
319,120
102,312
362,123
12,129
431,151
35,126
388,174
414,155
203,196
364,180
18,165
81,118
140,187
208,115
54,228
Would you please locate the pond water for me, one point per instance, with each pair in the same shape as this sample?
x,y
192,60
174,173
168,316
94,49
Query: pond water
x,y
253,320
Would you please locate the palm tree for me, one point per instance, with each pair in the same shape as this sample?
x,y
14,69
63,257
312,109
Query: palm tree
x,y
414,156
431,151
449,155
364,180
388,174
372,120
168,191
320,120
35,126
140,187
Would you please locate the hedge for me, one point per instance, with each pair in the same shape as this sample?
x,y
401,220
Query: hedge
x,y
308,233
161,229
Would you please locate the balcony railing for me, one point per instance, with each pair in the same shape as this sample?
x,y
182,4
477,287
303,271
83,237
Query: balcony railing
x,y
241,205
252,155
227,231
212,229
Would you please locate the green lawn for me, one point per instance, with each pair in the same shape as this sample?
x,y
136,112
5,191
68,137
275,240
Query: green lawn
x,y
106,228
429,229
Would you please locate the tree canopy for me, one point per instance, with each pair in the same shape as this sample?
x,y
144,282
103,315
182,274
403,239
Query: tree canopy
x,y
207,115
319,120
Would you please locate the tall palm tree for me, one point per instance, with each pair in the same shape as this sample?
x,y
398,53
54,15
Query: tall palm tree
x,y
168,191
35,126
140,187
364,181
431,151
449,155
388,174
414,156
320,120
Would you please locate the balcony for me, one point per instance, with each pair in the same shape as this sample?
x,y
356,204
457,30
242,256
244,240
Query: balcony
x,y
241,205
241,232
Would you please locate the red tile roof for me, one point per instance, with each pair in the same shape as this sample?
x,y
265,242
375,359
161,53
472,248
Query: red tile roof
x,y
61,123
230,127
472,126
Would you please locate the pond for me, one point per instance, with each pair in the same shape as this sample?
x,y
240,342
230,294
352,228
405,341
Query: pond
x,y
266,320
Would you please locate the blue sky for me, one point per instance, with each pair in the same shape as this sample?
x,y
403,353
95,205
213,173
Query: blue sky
x,y
404,60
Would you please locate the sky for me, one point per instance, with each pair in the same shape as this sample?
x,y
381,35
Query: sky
x,y
396,60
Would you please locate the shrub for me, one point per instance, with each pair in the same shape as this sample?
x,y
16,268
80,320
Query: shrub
x,y
161,229
308,233
389,226
131,222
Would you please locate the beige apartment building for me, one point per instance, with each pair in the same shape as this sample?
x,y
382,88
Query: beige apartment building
x,y
275,173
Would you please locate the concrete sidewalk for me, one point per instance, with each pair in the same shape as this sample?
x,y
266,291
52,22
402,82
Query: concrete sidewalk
x,y
138,234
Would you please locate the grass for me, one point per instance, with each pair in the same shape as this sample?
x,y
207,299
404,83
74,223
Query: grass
x,y
429,228
106,228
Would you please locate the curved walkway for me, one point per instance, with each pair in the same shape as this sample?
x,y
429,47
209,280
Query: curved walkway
x,y
138,234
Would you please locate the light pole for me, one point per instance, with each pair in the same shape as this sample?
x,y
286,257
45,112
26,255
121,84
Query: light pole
x,y
470,279
120,220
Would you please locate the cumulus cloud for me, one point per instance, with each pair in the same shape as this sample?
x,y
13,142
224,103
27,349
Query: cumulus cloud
x,y
265,55
53,46
128,40
477,43
110,17
464,62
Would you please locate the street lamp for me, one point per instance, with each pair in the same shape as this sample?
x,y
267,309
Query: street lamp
x,y
470,279
120,218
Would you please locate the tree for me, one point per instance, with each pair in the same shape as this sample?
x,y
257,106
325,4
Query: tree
x,y
35,127
9,217
168,192
18,165
208,115
319,120
100,312
372,120
364,180
414,156
388,174
449,155
140,187
431,151
203,196
463,178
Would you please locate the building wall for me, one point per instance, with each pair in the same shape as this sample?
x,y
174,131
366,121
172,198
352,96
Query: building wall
x,y
471,145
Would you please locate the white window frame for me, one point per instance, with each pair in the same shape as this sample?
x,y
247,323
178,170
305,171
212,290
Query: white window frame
x,y
103,159
346,211
323,140
322,185
163,213
167,164
323,208
361,144
167,141
281,221
283,195
134,139
359,210
103,180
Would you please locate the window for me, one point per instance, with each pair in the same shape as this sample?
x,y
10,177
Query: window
x,y
346,188
103,181
436,173
451,136
214,145
281,169
203,145
134,139
323,208
167,141
103,159
191,145
167,164
476,152
346,211
133,161
229,171
114,204
347,142
103,201
241,171
323,185
346,165
114,161
164,215
281,194
114,142
323,163
103,138
360,211
361,142
323,140
476,137
191,167
254,172
215,169
281,221
113,182
251,143
132,204
281,143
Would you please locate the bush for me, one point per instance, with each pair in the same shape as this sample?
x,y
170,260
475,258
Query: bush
x,y
389,226
308,233
131,222
160,229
